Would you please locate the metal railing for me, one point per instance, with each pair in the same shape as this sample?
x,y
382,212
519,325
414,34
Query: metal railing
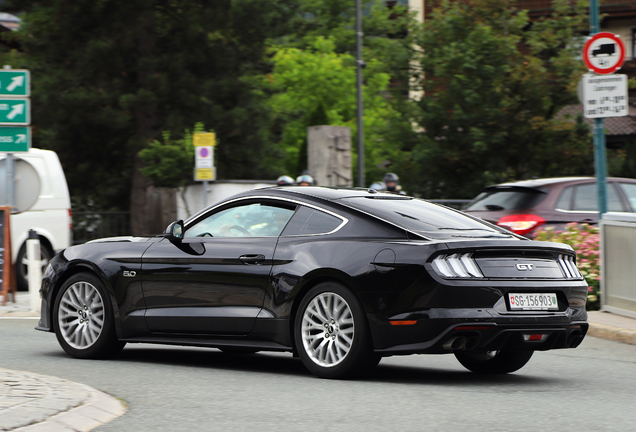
x,y
93,225
618,252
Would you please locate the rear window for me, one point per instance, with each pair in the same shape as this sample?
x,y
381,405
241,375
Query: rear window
x,y
506,199
423,217
308,221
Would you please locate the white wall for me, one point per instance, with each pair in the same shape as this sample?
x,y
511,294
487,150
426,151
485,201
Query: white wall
x,y
217,191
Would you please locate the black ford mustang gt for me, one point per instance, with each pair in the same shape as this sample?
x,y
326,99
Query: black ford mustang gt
x,y
339,277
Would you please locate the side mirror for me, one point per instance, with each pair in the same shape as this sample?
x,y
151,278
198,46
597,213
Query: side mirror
x,y
174,232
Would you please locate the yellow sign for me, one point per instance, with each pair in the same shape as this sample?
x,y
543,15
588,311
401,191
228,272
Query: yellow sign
x,y
204,174
206,139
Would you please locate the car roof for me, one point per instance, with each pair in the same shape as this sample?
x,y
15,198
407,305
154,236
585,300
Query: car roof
x,y
537,183
315,194
320,192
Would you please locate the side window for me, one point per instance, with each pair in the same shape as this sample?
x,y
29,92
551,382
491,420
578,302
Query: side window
x,y
565,199
613,200
248,220
585,198
308,221
630,191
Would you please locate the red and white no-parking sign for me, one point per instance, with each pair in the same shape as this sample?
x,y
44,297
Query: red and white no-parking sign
x,y
604,53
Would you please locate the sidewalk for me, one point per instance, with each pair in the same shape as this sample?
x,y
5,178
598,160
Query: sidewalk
x,y
31,402
35,403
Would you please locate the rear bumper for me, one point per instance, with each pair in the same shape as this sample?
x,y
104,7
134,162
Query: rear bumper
x,y
447,330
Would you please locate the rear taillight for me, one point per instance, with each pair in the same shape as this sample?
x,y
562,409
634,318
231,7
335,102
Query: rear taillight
x,y
70,219
521,224
457,265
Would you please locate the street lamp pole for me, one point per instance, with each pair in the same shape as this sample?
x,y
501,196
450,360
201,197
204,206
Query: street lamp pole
x,y
359,65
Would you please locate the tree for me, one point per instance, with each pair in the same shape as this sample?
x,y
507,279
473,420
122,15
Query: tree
x,y
109,77
494,84
313,81
317,86
169,163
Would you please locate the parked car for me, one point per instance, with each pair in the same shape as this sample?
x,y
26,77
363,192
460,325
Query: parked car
x,y
524,206
50,213
339,277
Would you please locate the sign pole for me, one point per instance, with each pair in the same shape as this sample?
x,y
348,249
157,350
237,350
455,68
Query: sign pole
x,y
205,193
600,166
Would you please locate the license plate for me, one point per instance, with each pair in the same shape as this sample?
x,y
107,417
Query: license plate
x,y
541,301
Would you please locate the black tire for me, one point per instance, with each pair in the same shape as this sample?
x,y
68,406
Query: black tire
x,y
331,333
493,362
21,268
83,319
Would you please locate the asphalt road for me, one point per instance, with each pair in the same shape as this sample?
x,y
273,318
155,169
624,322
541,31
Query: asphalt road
x,y
590,388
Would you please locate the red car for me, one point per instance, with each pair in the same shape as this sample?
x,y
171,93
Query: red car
x,y
524,206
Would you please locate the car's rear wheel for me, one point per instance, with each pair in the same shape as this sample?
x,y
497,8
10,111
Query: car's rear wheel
x,y
83,319
493,362
331,333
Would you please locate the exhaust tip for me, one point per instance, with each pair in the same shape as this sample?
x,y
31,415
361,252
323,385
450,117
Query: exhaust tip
x,y
454,343
472,343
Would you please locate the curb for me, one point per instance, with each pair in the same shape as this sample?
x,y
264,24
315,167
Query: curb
x,y
99,409
39,403
616,334
14,314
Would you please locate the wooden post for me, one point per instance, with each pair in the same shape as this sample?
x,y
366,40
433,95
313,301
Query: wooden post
x,y
7,274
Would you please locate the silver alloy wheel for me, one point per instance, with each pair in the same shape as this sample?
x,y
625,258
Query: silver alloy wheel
x,y
327,329
81,315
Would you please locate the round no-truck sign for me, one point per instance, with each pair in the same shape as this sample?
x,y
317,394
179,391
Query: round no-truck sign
x,y
604,53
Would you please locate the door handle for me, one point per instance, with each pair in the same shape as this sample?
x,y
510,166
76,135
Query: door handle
x,y
252,259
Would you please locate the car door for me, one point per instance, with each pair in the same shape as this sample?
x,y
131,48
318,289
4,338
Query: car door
x,y
214,280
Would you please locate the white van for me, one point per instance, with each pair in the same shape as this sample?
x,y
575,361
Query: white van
x,y
40,187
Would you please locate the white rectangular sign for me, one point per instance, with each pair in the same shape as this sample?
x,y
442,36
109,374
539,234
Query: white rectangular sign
x,y
204,157
605,96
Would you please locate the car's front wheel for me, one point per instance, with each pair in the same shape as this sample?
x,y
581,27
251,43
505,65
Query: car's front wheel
x,y
493,362
331,333
83,319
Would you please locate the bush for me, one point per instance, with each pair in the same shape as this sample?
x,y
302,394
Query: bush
x,y
584,239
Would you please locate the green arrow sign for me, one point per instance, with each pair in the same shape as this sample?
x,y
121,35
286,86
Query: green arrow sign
x,y
15,82
15,112
15,139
